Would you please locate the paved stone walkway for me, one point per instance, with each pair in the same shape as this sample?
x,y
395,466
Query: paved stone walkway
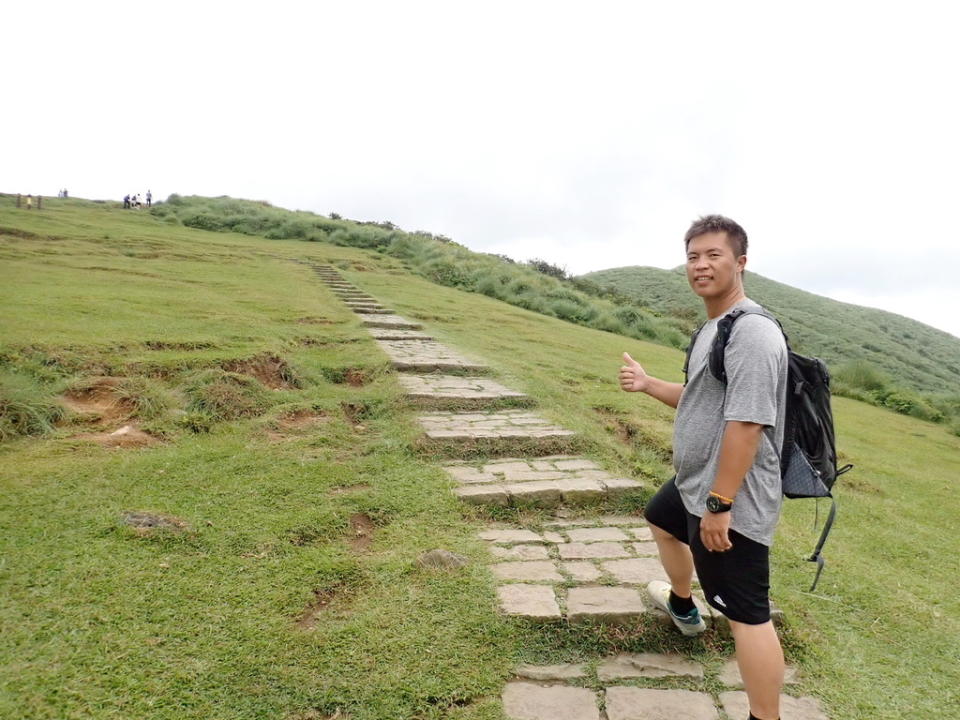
x,y
454,391
428,356
590,570
606,689
543,482
499,432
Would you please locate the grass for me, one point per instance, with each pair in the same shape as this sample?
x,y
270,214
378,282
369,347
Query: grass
x,y
264,605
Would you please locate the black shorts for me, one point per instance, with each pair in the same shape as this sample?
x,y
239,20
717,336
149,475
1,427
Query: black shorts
x,y
735,582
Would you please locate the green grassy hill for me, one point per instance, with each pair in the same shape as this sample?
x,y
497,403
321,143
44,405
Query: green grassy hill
x,y
273,429
876,356
922,357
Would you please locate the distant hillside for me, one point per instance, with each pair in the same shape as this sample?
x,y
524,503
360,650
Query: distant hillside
x,y
916,355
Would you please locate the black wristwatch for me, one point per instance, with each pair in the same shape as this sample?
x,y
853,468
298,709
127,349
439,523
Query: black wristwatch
x,y
716,505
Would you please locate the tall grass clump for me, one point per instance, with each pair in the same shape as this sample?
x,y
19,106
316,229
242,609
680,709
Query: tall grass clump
x,y
26,407
860,380
220,395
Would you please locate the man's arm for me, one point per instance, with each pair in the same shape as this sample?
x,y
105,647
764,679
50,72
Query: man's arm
x,y
633,378
737,451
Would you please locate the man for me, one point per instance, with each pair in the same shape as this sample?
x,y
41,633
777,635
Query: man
x,y
719,513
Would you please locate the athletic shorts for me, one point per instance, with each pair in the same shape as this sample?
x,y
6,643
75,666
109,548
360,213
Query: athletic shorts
x,y
735,582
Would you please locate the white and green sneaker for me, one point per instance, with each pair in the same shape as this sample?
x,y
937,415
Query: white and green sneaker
x,y
689,624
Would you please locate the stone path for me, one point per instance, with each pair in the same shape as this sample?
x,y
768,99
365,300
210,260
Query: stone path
x,y
545,482
624,687
590,570
453,391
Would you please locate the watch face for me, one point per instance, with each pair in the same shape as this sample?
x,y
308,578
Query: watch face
x,y
714,504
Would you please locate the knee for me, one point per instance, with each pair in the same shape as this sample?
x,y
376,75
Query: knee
x,y
659,533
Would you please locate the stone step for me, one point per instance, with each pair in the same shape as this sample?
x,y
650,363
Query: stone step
x,y
557,693
388,334
504,432
390,322
351,295
368,310
546,482
584,573
447,392
427,356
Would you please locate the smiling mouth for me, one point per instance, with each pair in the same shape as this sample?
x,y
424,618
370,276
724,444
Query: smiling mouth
x,y
702,278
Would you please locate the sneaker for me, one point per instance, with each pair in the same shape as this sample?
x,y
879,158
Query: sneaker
x,y
689,624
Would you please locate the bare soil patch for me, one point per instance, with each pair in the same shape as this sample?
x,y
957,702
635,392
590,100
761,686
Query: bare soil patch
x,y
97,402
295,424
316,607
355,412
128,436
361,532
270,370
314,320
144,522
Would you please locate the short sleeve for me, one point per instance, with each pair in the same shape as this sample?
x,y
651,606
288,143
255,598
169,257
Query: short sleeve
x,y
755,361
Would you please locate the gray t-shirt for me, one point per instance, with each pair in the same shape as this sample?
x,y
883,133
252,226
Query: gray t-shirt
x,y
756,364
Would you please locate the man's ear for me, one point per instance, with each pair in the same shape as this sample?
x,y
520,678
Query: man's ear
x,y
741,262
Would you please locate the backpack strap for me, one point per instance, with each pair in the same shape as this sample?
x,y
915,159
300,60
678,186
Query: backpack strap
x,y
724,330
817,555
686,362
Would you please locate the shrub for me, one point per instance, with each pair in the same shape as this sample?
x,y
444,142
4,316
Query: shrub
x,y
542,266
862,375
202,221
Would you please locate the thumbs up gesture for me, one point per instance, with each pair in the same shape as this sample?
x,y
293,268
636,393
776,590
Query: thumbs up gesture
x,y
632,376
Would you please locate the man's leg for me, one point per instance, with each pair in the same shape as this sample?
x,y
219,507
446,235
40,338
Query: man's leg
x,y
760,658
676,560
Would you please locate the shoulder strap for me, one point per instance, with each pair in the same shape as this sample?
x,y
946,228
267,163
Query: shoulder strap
x,y
724,330
686,362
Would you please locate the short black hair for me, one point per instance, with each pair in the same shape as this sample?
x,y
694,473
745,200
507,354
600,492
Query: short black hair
x,y
736,235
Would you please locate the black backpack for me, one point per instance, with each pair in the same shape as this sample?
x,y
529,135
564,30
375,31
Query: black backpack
x,y
808,457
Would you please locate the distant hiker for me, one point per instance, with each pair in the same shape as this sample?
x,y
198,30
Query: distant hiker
x,y
718,513
126,202
39,202
65,193
149,198
29,202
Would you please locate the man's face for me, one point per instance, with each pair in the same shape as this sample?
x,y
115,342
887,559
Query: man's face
x,y
712,268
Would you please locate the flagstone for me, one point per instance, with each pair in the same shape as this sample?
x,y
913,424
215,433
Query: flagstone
x,y
603,604
633,703
534,602
527,701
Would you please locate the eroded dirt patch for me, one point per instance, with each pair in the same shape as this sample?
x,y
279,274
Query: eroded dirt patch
x,y
361,532
316,607
145,523
128,436
294,424
270,370
355,413
97,401
314,320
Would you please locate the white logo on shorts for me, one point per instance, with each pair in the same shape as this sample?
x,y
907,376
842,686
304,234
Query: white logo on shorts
x,y
719,601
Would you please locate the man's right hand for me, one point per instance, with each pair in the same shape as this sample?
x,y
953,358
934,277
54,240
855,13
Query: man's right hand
x,y
632,376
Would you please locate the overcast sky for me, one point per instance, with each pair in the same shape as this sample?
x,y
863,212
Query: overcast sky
x,y
586,134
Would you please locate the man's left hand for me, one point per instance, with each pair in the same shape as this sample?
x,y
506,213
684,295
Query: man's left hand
x,y
714,531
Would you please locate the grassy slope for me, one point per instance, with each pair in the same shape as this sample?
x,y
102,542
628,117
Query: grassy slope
x,y
918,355
105,624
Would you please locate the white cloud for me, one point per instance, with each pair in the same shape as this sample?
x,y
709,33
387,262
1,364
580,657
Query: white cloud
x,y
586,135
